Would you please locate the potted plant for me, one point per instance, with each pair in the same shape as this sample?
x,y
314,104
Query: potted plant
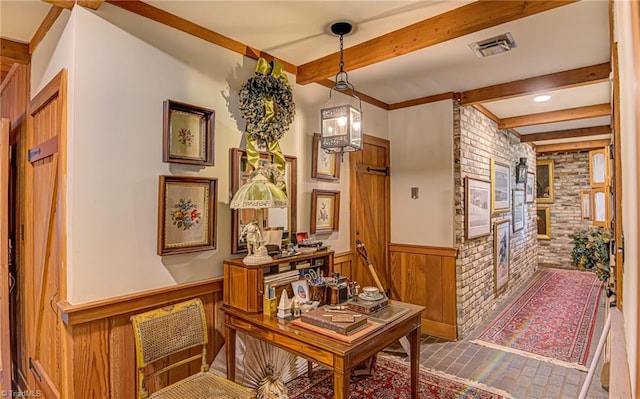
x,y
591,250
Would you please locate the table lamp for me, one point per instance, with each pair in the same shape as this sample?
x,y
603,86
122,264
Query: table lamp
x,y
258,193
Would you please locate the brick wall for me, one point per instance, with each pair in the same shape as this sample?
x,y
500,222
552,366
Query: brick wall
x,y
477,140
571,175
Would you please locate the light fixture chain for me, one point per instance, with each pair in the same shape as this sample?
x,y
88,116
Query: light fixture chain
x,y
341,58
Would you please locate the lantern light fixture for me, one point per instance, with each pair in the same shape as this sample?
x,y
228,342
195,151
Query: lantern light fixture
x,y
521,171
341,122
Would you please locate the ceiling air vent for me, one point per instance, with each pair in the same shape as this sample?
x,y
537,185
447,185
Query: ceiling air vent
x,y
494,45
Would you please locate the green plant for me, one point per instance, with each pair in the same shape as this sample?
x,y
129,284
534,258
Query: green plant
x,y
591,250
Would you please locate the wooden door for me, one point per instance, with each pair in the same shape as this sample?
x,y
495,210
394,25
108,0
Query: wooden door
x,y
370,209
45,224
5,341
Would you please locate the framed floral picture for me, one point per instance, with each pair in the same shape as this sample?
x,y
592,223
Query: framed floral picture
x,y
188,134
501,187
324,166
477,210
325,211
500,256
186,214
530,187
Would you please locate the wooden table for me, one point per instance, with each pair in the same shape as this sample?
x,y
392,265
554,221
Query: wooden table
x,y
333,354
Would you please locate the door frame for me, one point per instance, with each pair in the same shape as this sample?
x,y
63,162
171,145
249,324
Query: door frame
x,y
5,329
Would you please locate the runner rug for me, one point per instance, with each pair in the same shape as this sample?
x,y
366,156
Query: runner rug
x,y
392,380
551,321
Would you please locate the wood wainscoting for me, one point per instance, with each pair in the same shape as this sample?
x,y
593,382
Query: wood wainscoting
x,y
342,263
427,276
99,337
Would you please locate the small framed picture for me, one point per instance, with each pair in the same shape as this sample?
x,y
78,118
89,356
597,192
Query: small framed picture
x,y
543,219
188,134
544,181
301,290
530,187
585,204
519,210
500,256
501,187
325,166
186,214
325,211
477,212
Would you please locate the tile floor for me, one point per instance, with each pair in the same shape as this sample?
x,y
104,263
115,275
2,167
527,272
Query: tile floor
x,y
522,377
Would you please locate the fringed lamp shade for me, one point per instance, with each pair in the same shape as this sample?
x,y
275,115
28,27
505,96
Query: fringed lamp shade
x,y
259,193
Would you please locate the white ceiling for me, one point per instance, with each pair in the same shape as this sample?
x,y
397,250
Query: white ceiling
x,y
568,37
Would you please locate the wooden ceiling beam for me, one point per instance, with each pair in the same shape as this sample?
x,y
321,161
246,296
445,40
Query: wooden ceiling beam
x,y
570,114
367,99
423,100
554,81
486,113
68,4
44,27
13,51
569,133
572,147
92,4
461,21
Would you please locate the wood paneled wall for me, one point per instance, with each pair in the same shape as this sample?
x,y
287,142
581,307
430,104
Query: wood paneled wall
x,y
101,344
342,263
427,276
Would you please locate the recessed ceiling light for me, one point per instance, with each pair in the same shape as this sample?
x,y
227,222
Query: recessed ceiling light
x,y
542,98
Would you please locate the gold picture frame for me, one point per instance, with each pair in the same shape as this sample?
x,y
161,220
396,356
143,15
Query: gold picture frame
x,y
501,255
586,205
544,181
500,187
187,134
543,220
325,211
186,214
324,166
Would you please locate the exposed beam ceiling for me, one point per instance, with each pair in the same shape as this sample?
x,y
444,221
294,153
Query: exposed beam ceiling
x,y
68,4
44,27
461,21
92,4
424,100
13,51
487,113
590,111
573,146
564,134
553,81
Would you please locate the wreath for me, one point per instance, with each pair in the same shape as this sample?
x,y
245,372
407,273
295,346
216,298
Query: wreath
x,y
266,104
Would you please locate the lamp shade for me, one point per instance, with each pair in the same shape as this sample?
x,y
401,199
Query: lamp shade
x,y
258,193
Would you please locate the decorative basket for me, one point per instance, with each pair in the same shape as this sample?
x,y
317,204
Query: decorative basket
x,y
318,293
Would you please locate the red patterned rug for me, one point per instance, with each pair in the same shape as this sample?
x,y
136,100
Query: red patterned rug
x,y
392,380
552,321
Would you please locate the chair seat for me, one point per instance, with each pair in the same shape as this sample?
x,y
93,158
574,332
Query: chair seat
x,y
204,386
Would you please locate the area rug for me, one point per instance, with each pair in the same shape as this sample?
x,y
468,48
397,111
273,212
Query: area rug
x,y
551,321
392,380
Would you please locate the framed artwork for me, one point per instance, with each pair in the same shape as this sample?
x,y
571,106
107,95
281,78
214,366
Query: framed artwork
x,y
188,134
186,214
519,214
529,187
477,214
598,167
500,256
325,211
501,187
585,205
323,165
543,219
600,206
544,181
301,290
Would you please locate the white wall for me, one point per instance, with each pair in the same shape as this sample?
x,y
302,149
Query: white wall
x,y
124,67
422,156
629,134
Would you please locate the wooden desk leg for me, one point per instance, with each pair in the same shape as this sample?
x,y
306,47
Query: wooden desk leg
x,y
309,368
414,342
340,380
230,337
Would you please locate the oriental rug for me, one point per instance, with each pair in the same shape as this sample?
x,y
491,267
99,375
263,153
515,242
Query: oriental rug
x,y
392,380
551,321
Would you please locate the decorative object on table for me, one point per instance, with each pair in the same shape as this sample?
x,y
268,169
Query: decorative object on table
x,y
362,250
324,165
342,321
188,134
519,210
501,187
284,218
186,214
392,379
521,171
325,211
591,250
341,119
477,212
259,193
284,306
300,290
586,205
530,187
544,181
500,256
543,220
563,301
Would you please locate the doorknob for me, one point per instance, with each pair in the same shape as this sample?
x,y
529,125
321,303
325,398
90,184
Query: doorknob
x,y
51,303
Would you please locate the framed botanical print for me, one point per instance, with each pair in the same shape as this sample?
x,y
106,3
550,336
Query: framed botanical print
x,y
477,212
186,214
325,166
543,219
544,181
519,210
188,134
530,187
325,211
500,256
501,187
586,205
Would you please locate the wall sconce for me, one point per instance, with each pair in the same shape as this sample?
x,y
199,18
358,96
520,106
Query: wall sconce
x,y
521,171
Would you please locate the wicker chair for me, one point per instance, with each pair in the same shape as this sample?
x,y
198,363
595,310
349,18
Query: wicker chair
x,y
163,332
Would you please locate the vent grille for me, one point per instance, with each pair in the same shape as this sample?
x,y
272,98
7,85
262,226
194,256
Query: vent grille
x,y
494,45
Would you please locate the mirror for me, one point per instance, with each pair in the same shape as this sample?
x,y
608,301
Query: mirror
x,y
273,217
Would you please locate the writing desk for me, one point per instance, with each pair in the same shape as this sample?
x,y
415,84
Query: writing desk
x,y
335,355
